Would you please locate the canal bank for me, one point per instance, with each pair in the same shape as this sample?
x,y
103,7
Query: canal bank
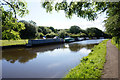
x,y
92,65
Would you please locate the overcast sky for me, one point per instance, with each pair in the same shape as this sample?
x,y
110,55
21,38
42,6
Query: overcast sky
x,y
58,19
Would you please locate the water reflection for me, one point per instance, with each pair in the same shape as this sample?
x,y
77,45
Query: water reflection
x,y
76,47
23,55
20,55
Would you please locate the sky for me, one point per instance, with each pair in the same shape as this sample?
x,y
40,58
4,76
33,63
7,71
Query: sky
x,y
57,19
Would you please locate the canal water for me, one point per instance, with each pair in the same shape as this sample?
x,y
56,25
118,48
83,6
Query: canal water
x,y
51,61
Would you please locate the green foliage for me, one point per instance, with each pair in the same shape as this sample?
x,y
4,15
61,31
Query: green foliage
x,y
17,7
83,35
39,29
74,29
29,32
62,34
74,35
53,30
51,35
91,66
116,41
32,22
112,25
10,26
94,32
48,5
39,35
44,30
81,9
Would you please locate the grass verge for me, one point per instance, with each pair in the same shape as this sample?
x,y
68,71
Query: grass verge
x,y
91,66
113,41
13,42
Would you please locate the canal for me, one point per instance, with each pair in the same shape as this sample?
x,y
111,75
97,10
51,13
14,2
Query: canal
x,y
51,61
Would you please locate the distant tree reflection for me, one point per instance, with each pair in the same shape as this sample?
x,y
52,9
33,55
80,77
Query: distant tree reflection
x,y
23,55
77,47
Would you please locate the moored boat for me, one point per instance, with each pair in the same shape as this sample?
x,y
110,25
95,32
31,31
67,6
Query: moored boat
x,y
69,39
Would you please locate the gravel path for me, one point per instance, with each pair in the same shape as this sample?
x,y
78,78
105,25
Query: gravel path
x,y
111,65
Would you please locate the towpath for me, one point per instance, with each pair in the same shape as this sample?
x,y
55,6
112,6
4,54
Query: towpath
x,y
111,66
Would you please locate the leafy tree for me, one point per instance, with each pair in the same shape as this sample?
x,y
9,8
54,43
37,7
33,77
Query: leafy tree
x,y
51,35
62,33
53,30
17,6
32,22
10,26
81,9
94,32
44,30
39,29
75,29
83,35
112,23
29,32
40,35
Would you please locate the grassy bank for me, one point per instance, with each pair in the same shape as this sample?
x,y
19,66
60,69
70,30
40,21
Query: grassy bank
x,y
12,42
91,66
113,41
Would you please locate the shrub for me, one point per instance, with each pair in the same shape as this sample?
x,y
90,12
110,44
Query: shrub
x,y
63,34
51,35
39,35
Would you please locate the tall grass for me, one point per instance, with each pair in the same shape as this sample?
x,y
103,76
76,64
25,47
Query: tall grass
x,y
13,42
91,66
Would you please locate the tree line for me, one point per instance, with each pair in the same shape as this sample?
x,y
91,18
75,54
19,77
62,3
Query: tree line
x,y
31,31
14,29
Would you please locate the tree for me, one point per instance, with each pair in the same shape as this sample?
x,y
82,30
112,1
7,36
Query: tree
x,y
51,35
53,30
112,23
44,30
29,32
32,22
10,26
74,29
62,34
81,9
39,35
94,32
17,6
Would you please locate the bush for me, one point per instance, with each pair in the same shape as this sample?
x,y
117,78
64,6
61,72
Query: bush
x,y
51,35
75,35
63,34
116,41
83,35
40,35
